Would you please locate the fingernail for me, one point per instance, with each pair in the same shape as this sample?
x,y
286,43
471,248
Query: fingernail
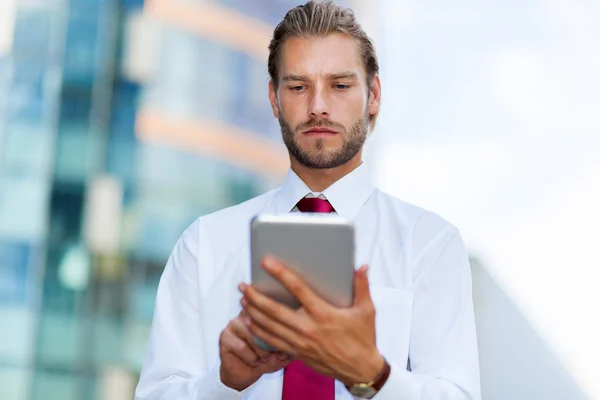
x,y
268,263
247,321
244,302
282,356
242,287
264,360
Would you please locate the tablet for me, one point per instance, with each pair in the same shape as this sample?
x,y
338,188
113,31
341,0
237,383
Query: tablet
x,y
319,247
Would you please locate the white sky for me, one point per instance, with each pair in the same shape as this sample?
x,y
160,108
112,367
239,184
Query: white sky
x,y
491,118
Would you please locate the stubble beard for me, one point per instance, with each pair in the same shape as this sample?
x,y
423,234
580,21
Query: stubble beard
x,y
319,158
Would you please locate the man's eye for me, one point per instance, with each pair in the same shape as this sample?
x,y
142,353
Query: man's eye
x,y
296,88
341,86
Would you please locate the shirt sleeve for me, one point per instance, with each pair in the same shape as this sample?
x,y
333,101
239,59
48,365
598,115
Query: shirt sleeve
x,y
174,365
443,344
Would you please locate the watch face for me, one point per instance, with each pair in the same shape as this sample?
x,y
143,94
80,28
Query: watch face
x,y
363,392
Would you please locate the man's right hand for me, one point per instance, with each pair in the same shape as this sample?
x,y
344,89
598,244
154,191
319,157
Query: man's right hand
x,y
242,362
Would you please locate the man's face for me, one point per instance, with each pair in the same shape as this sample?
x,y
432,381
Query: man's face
x,y
322,100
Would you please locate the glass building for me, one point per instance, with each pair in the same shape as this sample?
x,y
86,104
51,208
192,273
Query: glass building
x,y
120,123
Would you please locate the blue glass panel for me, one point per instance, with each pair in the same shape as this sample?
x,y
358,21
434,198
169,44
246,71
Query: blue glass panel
x,y
81,44
16,264
32,34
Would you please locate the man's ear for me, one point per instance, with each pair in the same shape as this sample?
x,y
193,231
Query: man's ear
x,y
374,95
273,99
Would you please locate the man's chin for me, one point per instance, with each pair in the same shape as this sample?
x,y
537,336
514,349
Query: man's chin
x,y
318,161
320,147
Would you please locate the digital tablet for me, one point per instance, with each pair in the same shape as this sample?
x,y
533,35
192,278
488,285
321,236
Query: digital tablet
x,y
319,247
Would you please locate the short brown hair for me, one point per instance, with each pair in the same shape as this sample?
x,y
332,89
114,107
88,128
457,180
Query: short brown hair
x,y
318,19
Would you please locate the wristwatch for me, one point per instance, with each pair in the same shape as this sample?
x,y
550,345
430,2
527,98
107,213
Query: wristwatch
x,y
370,389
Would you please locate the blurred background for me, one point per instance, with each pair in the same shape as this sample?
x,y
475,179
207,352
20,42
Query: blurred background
x,y
121,121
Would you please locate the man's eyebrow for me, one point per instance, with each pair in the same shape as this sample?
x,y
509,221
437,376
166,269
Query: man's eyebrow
x,y
332,77
342,75
292,78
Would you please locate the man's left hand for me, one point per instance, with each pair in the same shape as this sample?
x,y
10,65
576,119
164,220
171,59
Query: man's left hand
x,y
337,342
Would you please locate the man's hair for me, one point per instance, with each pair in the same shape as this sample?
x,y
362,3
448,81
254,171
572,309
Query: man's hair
x,y
319,19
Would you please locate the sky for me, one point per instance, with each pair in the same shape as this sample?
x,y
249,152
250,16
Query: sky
x,y
491,118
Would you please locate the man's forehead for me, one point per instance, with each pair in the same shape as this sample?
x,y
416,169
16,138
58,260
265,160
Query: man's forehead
x,y
329,55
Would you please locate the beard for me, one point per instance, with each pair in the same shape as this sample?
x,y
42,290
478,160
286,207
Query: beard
x,y
319,158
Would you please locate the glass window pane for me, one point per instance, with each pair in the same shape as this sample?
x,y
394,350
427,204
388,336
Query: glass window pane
x,y
15,382
54,385
22,207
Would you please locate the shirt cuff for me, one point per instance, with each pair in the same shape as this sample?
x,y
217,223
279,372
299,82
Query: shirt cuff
x,y
398,386
214,389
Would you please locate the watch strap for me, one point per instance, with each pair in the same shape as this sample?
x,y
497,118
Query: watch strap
x,y
377,383
382,377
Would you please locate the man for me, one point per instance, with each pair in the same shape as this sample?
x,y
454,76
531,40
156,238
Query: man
x,y
410,333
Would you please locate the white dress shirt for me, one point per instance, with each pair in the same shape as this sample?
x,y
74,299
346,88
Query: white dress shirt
x,y
419,278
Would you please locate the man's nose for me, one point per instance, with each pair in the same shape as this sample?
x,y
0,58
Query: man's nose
x,y
319,106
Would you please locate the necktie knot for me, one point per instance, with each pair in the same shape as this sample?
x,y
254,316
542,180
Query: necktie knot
x,y
315,205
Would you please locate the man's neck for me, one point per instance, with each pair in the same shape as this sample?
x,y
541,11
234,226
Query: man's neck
x,y
318,180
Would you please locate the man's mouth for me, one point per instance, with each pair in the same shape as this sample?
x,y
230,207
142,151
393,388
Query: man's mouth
x,y
319,132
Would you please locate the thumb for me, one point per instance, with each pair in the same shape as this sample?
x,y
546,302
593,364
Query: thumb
x,y
362,293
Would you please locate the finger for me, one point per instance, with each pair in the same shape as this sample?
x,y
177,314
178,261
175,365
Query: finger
x,y
238,347
267,306
240,330
300,331
362,293
275,363
292,282
272,340
281,356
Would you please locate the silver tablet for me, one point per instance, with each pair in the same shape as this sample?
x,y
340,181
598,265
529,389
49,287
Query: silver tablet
x,y
319,247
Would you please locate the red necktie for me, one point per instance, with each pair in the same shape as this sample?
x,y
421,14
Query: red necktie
x,y
314,205
300,382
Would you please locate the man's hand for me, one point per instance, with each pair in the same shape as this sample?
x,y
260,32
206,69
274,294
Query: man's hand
x,y
338,342
242,362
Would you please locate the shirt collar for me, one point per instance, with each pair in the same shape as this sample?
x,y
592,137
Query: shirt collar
x,y
347,195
